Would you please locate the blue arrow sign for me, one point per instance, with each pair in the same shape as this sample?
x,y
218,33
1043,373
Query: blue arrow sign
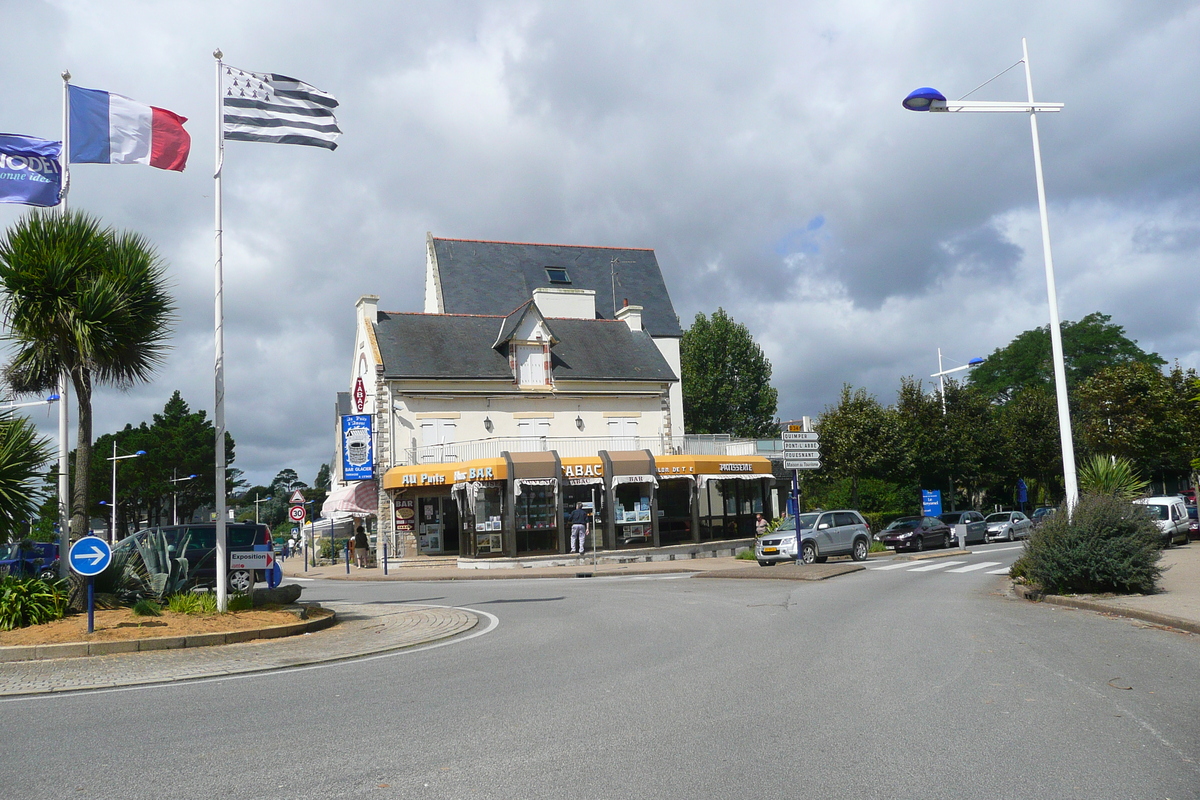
x,y
91,555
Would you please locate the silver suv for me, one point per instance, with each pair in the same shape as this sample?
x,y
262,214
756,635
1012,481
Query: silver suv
x,y
822,534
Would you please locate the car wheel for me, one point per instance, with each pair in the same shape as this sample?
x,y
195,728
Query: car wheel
x,y
920,545
48,574
859,553
241,580
1010,536
945,541
808,553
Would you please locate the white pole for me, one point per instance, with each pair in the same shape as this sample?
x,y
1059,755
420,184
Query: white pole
x,y
941,382
219,361
112,528
64,451
1060,371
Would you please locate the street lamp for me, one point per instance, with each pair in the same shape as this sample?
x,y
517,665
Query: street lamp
x,y
927,99
112,528
174,493
256,502
942,373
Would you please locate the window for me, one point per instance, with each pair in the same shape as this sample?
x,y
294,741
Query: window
x,y
624,431
531,366
557,275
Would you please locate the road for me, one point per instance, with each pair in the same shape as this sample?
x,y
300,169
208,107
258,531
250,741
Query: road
x,y
886,683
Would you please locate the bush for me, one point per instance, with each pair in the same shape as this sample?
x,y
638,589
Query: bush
x,y
1107,545
146,608
240,602
193,603
30,601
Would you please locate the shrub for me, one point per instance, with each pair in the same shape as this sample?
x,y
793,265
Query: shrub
x,y
146,608
193,603
240,602
1107,545
30,601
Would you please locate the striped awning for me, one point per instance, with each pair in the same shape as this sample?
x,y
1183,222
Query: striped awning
x,y
359,498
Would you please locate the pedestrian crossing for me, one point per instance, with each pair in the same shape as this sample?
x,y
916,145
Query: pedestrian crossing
x,y
956,567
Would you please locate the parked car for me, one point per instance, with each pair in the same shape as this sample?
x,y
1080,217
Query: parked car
x,y
821,534
976,528
1041,514
200,549
916,533
1193,524
1171,517
1008,525
28,558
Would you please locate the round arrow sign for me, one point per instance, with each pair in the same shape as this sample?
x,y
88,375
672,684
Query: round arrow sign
x,y
296,513
90,555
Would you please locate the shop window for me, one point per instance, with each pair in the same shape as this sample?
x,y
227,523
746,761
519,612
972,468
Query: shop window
x,y
489,536
631,514
536,509
675,511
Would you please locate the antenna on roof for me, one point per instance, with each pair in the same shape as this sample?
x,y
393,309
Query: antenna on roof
x,y
613,265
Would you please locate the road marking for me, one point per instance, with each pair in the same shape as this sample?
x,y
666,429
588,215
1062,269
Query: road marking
x,y
998,571
1002,549
898,565
973,567
301,579
932,567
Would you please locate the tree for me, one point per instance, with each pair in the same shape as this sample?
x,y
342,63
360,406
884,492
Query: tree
x,y
858,437
86,302
726,379
1090,345
322,481
1027,426
22,455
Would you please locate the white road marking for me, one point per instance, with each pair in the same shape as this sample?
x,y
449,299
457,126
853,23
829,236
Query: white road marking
x,y
998,571
1002,549
973,567
932,567
897,565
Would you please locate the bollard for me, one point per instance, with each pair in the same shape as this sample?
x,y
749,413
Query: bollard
x,y
306,556
384,557
347,556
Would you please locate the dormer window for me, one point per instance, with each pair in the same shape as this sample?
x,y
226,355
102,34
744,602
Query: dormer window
x,y
557,275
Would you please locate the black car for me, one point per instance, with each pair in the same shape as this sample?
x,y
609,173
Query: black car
x,y
976,527
200,549
916,533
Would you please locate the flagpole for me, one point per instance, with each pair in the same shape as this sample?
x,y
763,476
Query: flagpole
x,y
219,363
64,452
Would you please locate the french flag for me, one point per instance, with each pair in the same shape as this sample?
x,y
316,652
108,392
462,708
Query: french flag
x,y
107,128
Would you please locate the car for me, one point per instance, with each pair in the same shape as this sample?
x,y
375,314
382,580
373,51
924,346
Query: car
x,y
976,532
1041,514
916,533
1171,517
1193,524
199,541
1008,525
29,558
822,534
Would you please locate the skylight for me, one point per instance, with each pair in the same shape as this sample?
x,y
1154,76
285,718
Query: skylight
x,y
557,275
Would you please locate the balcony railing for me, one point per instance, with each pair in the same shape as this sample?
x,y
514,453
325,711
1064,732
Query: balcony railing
x,y
580,446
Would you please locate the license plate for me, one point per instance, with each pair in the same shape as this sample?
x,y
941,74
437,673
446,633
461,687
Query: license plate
x,y
767,550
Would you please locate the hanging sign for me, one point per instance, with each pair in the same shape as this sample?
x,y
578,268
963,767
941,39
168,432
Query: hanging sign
x,y
357,463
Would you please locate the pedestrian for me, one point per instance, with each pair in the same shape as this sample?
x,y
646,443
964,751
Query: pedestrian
x,y
579,525
361,547
286,551
760,525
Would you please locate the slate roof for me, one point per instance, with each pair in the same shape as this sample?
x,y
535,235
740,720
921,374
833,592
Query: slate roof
x,y
481,277
458,346
343,404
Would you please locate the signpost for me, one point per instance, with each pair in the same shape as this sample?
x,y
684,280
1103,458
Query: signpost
x,y
801,450
296,513
90,556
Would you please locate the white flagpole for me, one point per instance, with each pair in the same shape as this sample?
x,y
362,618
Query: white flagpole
x,y
64,452
219,363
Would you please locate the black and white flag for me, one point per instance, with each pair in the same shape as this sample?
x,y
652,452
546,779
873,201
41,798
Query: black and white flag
x,y
264,107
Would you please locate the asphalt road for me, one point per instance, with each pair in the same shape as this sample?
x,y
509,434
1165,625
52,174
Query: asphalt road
x,y
886,683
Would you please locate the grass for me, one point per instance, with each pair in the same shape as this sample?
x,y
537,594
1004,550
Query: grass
x,y
146,608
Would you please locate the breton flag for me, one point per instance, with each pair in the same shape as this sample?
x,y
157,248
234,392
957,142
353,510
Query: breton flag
x,y
264,107
107,128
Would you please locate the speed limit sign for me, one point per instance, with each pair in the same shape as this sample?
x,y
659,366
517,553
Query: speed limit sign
x,y
296,513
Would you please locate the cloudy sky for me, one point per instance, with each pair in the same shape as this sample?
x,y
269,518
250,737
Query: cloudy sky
x,y
758,147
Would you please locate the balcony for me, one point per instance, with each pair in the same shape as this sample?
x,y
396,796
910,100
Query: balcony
x,y
579,446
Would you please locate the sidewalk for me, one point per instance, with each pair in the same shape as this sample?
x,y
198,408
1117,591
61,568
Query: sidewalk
x,y
361,630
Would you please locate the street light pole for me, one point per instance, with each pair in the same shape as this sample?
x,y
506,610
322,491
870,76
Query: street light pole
x,y
942,373
256,502
112,527
927,99
174,496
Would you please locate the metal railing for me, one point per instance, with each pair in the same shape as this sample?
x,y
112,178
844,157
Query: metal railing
x,y
581,446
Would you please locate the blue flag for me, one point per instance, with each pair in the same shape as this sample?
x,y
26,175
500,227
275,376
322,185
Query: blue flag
x,y
29,170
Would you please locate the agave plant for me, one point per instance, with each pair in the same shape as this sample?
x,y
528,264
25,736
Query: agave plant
x,y
164,573
1113,477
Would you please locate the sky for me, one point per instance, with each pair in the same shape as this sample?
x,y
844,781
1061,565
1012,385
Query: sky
x,y
759,148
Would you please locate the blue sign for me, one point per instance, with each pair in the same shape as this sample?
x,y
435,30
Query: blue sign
x,y
357,461
931,502
29,170
91,555
1022,491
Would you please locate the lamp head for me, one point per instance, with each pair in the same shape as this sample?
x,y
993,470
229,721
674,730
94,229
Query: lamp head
x,y
140,453
921,99
974,362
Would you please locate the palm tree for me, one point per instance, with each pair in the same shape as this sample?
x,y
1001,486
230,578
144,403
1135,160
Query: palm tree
x,y
22,455
85,301
1112,476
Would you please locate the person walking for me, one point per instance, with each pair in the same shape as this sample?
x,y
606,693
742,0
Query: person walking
x,y
579,523
361,547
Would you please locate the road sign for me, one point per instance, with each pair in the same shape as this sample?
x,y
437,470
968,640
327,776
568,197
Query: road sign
x,y
790,463
296,513
800,436
788,447
90,556
297,498
248,560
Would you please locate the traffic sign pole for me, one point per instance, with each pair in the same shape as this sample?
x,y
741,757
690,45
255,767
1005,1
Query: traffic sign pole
x,y
91,604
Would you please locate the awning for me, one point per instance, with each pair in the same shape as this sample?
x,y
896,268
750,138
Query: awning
x,y
360,498
705,468
628,466
535,464
420,476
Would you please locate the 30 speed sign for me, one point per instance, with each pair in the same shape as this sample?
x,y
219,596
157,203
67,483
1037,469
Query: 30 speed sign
x,y
296,513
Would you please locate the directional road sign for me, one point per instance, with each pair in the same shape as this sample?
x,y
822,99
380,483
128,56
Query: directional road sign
x,y
789,463
296,513
90,556
800,436
798,446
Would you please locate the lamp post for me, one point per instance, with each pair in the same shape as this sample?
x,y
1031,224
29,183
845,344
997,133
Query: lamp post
x,y
942,373
174,492
258,500
112,528
927,99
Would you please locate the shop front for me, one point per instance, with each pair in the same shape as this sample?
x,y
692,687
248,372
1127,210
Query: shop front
x,y
447,509
583,483
704,498
535,513
629,492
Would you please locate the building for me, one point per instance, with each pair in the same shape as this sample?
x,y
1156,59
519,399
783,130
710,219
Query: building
x,y
525,388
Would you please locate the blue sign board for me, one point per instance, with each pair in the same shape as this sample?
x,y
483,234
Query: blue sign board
x,y
931,502
90,556
1022,491
358,463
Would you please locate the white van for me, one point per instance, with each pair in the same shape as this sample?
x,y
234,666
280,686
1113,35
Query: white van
x,y
1171,517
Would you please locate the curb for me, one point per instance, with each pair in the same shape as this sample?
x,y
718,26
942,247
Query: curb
x,y
1166,620
82,649
807,572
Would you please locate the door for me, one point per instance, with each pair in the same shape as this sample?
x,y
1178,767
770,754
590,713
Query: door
x,y
823,534
847,526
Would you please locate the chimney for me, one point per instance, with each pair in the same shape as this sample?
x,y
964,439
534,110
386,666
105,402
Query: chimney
x,y
632,316
368,307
